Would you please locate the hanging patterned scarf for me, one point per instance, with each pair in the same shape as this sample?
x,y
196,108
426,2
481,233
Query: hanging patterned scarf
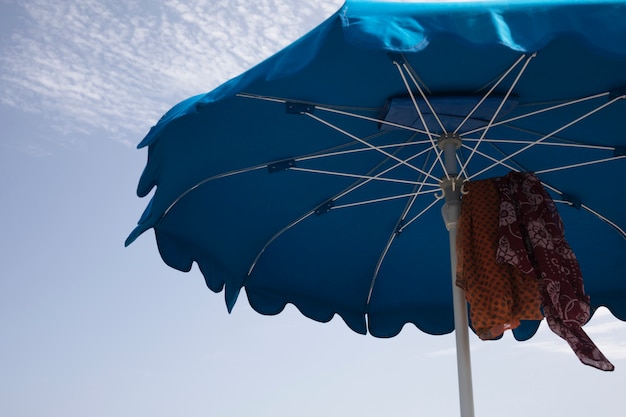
x,y
532,239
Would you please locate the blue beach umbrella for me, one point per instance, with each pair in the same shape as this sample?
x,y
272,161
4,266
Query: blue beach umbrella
x,y
320,176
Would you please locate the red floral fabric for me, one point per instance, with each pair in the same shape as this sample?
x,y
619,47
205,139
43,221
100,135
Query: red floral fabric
x,y
532,239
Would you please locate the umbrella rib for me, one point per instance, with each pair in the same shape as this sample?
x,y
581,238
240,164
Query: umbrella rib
x,y
424,96
605,219
556,144
272,239
493,118
578,119
265,165
459,159
408,208
547,109
369,145
359,176
326,108
600,216
352,151
496,84
377,176
580,164
414,195
383,199
367,180
206,180
538,134
492,159
403,218
383,255
371,119
309,213
283,100
398,229
262,98
421,213
305,216
392,239
419,112
560,168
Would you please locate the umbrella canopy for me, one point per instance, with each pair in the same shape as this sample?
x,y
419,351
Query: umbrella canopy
x,y
315,177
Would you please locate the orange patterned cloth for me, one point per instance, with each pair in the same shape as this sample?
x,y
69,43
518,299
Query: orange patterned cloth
x,y
499,294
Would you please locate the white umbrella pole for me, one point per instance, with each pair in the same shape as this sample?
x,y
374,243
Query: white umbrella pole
x,y
451,187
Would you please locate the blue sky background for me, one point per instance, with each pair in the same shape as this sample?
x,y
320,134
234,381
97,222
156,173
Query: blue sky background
x,y
90,328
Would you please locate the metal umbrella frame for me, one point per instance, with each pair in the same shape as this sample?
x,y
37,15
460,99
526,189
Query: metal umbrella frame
x,y
316,178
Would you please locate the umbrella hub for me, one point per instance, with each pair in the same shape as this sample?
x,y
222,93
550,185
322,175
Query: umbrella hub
x,y
452,184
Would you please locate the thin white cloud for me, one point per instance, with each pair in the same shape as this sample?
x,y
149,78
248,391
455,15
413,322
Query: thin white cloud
x,y
94,65
441,353
604,329
556,346
611,347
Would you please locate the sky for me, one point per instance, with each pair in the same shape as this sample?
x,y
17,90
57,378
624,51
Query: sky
x,y
89,327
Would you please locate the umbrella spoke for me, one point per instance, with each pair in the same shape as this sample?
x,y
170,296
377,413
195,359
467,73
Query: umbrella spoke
x,y
605,219
495,115
398,229
206,180
325,154
271,240
378,176
371,119
408,71
544,110
500,79
263,98
567,125
578,204
418,192
617,155
545,143
383,199
335,109
369,145
308,157
460,160
400,66
421,213
360,176
581,164
492,159
381,259
329,205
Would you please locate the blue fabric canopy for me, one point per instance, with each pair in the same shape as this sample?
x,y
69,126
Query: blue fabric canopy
x,y
312,178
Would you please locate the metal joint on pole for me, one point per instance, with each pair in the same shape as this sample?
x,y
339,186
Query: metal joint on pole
x,y
451,186
452,190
